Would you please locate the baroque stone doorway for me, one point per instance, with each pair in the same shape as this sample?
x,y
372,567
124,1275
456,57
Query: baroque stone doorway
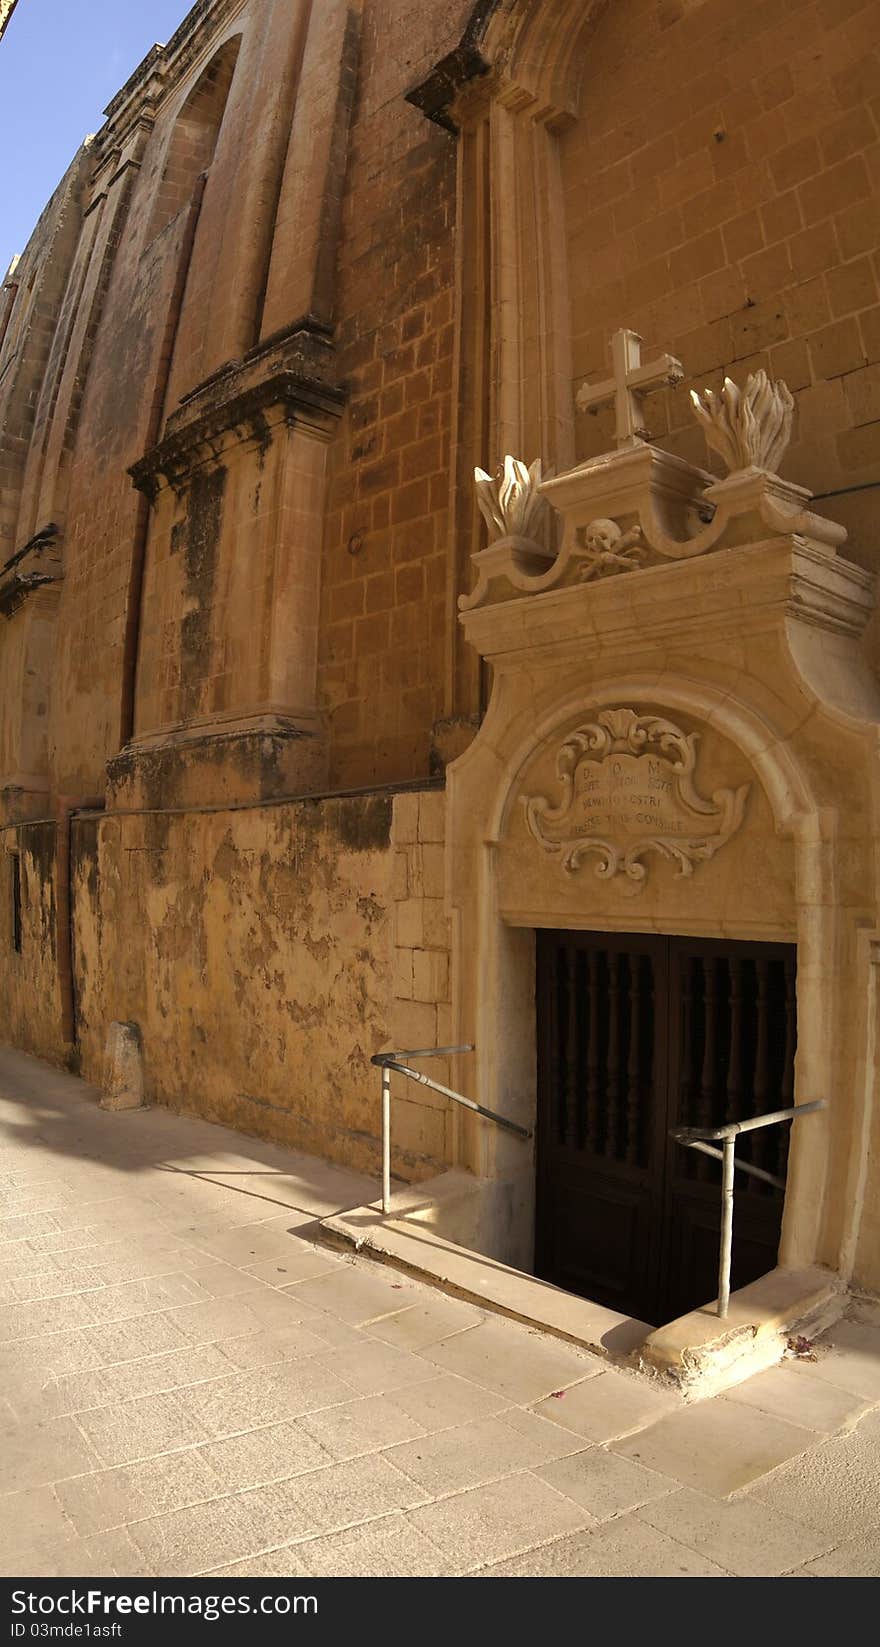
x,y
637,1034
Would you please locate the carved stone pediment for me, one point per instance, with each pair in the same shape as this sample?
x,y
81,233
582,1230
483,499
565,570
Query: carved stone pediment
x,y
629,790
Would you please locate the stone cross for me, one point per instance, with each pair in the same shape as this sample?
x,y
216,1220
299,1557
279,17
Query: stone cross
x,y
630,380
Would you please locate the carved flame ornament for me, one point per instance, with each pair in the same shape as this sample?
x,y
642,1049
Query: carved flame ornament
x,y
510,502
628,790
750,427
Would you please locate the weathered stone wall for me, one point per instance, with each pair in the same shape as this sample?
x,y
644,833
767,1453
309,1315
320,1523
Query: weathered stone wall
x,y
255,949
30,305
722,200
421,1010
30,997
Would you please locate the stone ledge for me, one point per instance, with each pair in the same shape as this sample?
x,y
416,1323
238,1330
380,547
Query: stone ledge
x,y
701,1350
286,379
250,757
408,1242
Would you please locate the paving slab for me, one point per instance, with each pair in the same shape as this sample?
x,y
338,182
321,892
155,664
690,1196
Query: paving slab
x,y
388,1548
374,1367
716,1446
740,1534
127,1431
35,1528
603,1484
302,1263
249,1243
849,1358
502,1519
446,1401
34,1455
264,1395
789,1391
525,1366
609,1405
856,1558
111,1498
835,1489
229,1529
357,1293
449,1461
266,1349
271,1453
367,1425
420,1325
628,1548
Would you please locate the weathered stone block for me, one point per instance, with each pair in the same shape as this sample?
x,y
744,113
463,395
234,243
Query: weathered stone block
x,y
123,1068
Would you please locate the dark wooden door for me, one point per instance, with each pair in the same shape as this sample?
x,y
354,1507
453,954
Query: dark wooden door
x,y
638,1034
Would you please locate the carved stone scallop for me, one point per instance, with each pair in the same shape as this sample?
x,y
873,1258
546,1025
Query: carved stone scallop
x,y
628,790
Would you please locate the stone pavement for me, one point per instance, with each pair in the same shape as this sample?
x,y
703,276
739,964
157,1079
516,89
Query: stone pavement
x,y
191,1385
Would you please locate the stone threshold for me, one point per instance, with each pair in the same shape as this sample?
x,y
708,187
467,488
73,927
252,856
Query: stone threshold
x,y
698,1353
411,1245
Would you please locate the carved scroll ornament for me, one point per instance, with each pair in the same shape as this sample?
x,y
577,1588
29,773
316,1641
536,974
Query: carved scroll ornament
x,y
628,790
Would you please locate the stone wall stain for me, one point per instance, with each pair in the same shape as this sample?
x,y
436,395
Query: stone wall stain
x,y
201,541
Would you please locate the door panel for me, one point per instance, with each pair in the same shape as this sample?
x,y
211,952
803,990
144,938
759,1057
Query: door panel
x,y
600,1141
638,1034
731,1056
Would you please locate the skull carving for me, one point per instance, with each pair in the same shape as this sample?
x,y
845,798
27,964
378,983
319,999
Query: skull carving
x,y
607,549
601,536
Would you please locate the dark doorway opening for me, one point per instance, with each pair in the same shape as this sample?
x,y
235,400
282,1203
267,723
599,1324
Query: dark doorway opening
x,y
638,1034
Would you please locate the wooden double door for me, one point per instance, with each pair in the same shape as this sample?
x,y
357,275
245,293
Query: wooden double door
x,y
638,1034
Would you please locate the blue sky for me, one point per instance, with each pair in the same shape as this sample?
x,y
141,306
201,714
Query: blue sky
x,y
60,63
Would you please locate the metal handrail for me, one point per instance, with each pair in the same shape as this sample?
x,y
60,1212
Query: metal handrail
x,y
697,1138
388,1061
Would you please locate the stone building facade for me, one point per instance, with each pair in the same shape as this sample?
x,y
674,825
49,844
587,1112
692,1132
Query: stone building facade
x,y
7,7
275,754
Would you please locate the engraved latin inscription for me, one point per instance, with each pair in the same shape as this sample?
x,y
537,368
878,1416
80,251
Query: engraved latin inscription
x,y
630,793
628,789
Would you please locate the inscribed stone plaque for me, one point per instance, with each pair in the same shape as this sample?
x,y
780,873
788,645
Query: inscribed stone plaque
x,y
628,789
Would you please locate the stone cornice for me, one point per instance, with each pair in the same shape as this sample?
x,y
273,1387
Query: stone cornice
x,y
737,592
165,65
499,39
283,379
436,94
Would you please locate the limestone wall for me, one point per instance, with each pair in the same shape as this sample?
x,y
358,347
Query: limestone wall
x,y
255,949
384,613
721,199
30,999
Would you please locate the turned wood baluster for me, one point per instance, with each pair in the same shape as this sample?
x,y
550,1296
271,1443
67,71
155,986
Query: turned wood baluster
x,y
554,990
734,1066
570,1105
706,1103
613,1066
634,1062
786,1097
763,1098
593,1051
684,1113
577,1104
